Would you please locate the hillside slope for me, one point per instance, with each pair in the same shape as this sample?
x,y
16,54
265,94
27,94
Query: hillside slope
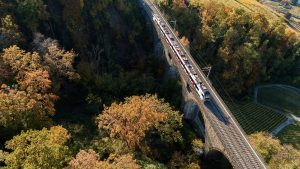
x,y
257,7
249,5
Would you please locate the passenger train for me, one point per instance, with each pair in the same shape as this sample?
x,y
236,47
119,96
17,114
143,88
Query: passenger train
x,y
181,55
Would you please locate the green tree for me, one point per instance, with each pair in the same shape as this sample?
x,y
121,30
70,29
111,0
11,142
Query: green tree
x,y
32,12
38,149
73,18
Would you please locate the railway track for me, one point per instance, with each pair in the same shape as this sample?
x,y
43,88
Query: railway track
x,y
238,149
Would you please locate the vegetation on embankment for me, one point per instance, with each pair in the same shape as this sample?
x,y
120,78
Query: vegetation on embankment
x,y
274,153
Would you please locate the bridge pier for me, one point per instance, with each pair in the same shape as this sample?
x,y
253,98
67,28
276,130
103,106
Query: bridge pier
x,y
191,113
170,67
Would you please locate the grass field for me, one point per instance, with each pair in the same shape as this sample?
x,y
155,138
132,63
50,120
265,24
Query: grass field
x,y
253,117
280,97
291,135
250,5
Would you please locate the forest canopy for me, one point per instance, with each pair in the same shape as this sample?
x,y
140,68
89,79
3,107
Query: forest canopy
x,y
82,85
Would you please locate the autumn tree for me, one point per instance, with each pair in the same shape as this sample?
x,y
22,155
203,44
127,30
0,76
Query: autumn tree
x,y
29,103
40,43
38,149
9,32
119,162
85,160
197,146
20,61
57,61
131,119
7,76
23,110
287,158
90,160
60,63
35,82
276,155
265,145
185,42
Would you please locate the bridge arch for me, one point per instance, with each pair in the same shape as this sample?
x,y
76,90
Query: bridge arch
x,y
215,158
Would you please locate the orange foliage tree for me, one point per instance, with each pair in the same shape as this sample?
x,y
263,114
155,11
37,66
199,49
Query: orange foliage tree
x,y
131,119
90,160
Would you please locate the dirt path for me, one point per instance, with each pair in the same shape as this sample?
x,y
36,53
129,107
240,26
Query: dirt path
x,y
289,121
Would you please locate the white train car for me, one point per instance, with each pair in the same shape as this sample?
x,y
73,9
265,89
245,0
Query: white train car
x,y
199,86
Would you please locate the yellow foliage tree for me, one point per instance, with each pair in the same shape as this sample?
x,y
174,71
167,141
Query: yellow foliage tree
x,y
20,61
265,145
38,149
60,62
185,42
288,158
